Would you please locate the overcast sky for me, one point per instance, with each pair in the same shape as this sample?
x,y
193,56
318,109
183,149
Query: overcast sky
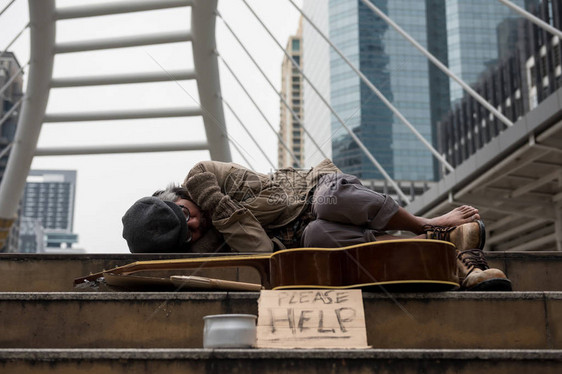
x,y
108,184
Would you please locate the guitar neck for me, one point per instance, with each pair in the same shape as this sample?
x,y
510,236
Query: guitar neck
x,y
258,262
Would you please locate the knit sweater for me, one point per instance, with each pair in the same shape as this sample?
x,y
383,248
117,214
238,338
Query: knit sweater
x,y
244,204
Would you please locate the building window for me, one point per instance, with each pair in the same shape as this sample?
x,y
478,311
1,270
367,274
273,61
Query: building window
x,y
556,55
533,76
296,45
297,59
543,66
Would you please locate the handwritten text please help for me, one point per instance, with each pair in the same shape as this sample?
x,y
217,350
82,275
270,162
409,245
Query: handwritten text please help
x,y
311,319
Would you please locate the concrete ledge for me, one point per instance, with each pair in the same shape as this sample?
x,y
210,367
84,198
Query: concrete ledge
x,y
529,271
448,320
254,296
50,272
275,361
254,353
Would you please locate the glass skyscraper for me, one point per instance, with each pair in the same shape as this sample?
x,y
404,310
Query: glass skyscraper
x,y
452,30
473,40
399,71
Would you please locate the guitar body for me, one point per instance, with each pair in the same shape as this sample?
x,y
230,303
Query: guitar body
x,y
393,265
397,265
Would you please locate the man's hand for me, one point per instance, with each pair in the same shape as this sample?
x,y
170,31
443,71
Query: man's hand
x,y
204,190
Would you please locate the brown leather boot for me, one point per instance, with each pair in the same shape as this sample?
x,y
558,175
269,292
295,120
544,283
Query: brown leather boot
x,y
474,272
466,236
476,275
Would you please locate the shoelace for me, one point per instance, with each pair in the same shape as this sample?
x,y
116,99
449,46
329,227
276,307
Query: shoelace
x,y
438,232
473,259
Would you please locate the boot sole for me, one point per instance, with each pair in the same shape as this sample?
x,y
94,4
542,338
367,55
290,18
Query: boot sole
x,y
496,284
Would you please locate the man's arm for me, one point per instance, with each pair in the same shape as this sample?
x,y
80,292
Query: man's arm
x,y
240,228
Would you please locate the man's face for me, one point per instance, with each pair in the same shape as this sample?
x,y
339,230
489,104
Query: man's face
x,y
198,224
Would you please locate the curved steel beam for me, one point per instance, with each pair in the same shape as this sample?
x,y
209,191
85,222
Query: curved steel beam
x,y
99,80
123,114
123,42
122,148
117,8
42,42
203,19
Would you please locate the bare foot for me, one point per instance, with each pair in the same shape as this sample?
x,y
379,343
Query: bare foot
x,y
458,216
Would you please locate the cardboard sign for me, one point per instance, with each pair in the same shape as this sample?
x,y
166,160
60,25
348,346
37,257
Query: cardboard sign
x,y
311,319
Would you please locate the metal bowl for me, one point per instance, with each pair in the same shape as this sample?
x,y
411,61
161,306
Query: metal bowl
x,y
229,331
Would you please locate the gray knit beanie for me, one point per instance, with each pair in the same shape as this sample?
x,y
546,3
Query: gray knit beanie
x,y
152,225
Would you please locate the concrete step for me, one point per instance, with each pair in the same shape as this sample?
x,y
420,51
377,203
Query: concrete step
x,y
447,320
529,271
175,361
51,272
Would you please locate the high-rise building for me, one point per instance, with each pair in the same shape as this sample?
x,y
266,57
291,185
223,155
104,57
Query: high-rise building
x,y
290,129
32,236
49,198
418,89
9,97
11,86
472,37
525,75
395,68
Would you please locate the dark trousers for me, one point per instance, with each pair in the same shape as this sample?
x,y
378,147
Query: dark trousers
x,y
347,213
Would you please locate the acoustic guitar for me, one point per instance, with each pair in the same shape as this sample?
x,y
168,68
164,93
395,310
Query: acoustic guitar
x,y
397,265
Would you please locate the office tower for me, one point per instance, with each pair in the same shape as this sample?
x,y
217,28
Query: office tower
x,y
395,68
525,75
49,198
472,38
419,90
31,236
290,129
11,84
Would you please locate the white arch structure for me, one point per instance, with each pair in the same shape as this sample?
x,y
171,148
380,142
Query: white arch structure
x,y
43,48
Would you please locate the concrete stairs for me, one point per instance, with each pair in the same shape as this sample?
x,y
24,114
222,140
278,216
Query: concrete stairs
x,y
48,327
181,361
